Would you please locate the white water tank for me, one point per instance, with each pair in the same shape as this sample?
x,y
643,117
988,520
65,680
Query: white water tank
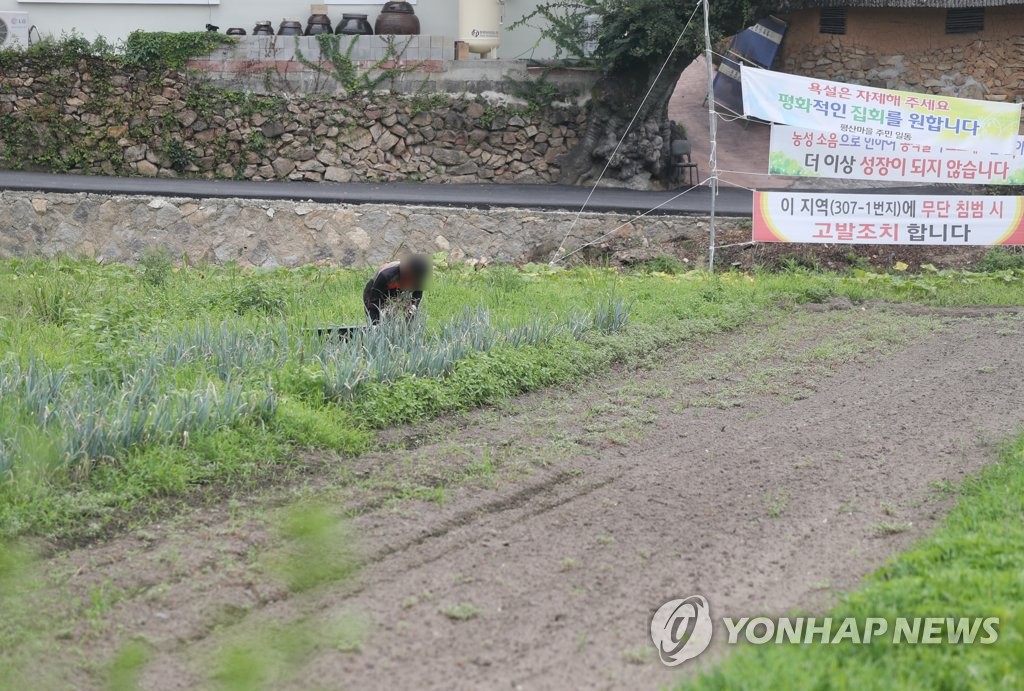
x,y
480,26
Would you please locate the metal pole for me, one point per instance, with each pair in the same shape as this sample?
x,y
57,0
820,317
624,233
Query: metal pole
x,y
713,131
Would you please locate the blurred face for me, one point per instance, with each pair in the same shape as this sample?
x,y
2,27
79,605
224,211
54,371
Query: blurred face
x,y
414,271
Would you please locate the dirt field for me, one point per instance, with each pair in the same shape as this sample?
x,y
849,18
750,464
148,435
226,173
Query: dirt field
x,y
528,546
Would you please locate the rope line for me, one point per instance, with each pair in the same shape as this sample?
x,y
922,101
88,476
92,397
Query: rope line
x,y
623,225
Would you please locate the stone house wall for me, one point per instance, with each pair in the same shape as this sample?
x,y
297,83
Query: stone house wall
x,y
908,49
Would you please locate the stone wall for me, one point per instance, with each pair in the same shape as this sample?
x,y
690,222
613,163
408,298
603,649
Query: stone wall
x,y
96,119
908,49
289,234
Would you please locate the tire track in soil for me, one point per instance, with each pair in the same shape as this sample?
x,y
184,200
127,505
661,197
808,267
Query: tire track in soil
x,y
603,502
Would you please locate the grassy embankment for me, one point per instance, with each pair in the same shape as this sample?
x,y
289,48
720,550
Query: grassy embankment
x,y
972,567
123,387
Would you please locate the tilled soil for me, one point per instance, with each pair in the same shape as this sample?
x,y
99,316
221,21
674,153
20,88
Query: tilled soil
x,y
527,546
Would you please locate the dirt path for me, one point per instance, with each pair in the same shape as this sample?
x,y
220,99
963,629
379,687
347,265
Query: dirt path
x,y
766,470
743,147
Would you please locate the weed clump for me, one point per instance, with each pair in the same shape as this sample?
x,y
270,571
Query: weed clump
x,y
663,264
815,293
1001,259
156,266
54,300
257,297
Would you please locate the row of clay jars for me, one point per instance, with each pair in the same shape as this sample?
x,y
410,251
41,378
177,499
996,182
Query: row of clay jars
x,y
396,18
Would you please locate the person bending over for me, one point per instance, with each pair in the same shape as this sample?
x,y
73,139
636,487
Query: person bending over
x,y
397,286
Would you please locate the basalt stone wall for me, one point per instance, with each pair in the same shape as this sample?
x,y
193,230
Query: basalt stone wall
x,y
96,118
986,70
289,234
909,49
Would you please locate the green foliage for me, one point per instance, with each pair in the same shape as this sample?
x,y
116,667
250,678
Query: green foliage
x,y
611,316
179,155
462,611
1001,259
209,100
635,33
539,94
57,53
153,49
257,297
488,116
663,263
505,279
145,49
88,420
157,266
117,390
104,391
317,548
423,102
43,137
800,264
54,299
256,142
269,656
353,78
815,294
127,667
17,137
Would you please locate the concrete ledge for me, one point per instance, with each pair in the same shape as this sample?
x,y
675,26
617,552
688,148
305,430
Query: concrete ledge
x,y
364,48
269,64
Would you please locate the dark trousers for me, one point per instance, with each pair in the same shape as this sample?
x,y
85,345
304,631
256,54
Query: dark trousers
x,y
372,303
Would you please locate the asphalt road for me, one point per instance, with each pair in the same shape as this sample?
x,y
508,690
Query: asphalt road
x,y
731,201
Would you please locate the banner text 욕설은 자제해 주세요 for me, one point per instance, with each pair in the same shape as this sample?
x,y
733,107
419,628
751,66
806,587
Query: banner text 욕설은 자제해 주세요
x,y
825,106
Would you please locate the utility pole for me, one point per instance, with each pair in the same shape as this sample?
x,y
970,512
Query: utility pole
x,y
713,131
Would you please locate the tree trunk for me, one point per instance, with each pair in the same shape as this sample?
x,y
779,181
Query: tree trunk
x,y
645,153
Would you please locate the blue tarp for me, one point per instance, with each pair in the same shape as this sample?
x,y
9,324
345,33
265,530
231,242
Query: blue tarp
x,y
757,45
760,43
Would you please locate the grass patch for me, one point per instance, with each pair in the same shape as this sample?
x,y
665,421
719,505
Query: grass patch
x,y
971,567
124,388
463,611
776,503
886,528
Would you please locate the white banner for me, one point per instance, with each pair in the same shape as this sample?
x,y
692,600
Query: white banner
x,y
806,153
885,219
825,106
